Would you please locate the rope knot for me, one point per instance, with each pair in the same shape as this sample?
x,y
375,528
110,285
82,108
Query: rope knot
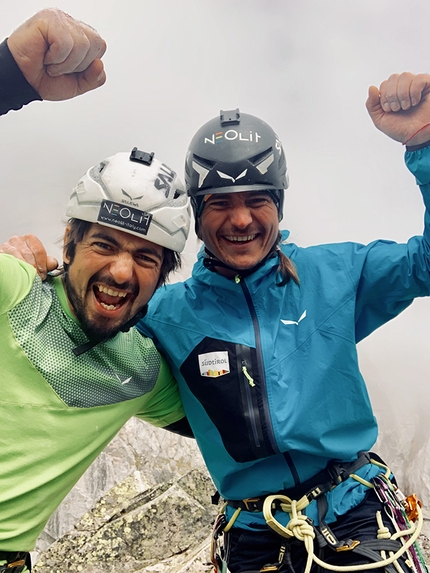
x,y
300,528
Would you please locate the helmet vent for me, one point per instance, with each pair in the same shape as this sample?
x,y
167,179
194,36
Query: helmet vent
x,y
204,162
261,156
102,166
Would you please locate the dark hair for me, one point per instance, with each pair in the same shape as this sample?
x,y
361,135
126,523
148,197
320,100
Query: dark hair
x,y
286,268
78,230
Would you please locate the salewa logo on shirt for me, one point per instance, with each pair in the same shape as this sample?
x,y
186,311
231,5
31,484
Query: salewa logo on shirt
x,y
126,381
214,364
296,322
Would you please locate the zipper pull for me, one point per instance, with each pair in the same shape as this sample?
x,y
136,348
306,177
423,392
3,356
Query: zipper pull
x,y
248,377
237,279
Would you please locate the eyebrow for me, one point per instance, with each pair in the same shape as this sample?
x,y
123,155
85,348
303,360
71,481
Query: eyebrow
x,y
113,241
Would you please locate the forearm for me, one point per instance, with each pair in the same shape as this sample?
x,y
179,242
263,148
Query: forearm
x,y
15,91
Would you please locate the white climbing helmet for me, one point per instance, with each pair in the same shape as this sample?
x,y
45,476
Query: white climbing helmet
x,y
137,194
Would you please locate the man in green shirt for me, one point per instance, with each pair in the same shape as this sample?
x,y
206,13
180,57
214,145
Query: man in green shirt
x,y
72,371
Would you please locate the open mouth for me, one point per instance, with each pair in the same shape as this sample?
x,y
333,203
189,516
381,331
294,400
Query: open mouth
x,y
110,298
240,238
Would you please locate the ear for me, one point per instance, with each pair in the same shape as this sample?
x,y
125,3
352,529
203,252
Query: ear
x,y
65,241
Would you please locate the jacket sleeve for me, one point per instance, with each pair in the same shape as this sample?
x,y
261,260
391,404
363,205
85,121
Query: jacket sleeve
x,y
15,91
390,275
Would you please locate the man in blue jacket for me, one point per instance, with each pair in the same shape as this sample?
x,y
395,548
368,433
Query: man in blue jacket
x,y
262,340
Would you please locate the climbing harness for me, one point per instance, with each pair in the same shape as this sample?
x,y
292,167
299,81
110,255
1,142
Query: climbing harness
x,y
382,553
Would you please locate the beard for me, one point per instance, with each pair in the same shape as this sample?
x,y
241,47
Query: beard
x,y
99,329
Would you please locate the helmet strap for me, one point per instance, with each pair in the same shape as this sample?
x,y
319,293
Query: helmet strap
x,y
82,348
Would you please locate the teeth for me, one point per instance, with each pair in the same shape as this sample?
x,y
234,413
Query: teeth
x,y
109,306
236,239
111,292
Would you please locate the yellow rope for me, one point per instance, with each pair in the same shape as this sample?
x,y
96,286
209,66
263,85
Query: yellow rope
x,y
299,527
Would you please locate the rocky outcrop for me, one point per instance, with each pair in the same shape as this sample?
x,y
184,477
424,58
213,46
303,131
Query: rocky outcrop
x,y
151,455
165,528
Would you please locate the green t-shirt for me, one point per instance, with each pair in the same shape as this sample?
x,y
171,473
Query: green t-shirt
x,y
58,411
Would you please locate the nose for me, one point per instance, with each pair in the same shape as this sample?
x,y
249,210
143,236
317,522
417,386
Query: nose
x,y
122,268
240,216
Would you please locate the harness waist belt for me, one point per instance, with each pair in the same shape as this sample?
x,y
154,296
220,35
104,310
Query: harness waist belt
x,y
325,480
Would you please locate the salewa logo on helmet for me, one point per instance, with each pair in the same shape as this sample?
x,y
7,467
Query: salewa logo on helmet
x,y
225,176
131,199
296,322
164,179
214,364
231,135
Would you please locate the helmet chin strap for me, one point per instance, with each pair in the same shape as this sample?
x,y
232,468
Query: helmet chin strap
x,y
91,343
211,262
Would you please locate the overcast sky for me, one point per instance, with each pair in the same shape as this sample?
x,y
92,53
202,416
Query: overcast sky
x,y
304,66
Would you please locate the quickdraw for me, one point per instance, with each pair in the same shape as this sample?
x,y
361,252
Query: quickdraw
x,y
217,554
403,513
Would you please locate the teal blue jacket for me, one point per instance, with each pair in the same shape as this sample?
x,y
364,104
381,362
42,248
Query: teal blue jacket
x,y
269,375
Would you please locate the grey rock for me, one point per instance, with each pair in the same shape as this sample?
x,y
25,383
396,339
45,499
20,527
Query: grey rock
x,y
151,455
163,528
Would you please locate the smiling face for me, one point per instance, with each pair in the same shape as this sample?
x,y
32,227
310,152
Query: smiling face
x,y
240,229
111,277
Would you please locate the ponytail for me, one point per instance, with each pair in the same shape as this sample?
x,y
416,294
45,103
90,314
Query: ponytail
x,y
286,268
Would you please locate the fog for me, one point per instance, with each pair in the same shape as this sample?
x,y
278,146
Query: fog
x,y
305,68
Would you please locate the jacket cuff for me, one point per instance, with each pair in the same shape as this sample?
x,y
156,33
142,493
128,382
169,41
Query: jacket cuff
x,y
416,147
418,163
15,91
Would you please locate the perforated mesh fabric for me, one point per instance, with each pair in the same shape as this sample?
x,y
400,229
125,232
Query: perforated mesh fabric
x,y
123,368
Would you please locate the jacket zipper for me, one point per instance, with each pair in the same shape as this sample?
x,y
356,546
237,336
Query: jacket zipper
x,y
250,397
258,408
